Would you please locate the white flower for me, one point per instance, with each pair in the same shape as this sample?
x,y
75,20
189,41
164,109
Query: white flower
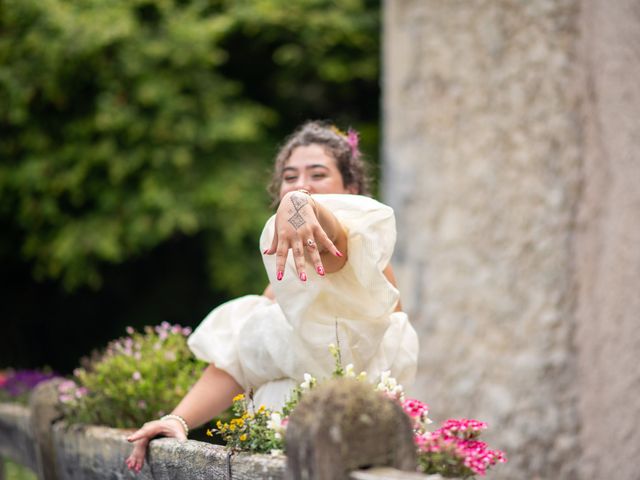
x,y
275,422
390,386
349,371
309,382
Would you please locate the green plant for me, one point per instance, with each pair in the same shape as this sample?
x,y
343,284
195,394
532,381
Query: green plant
x,y
137,377
453,450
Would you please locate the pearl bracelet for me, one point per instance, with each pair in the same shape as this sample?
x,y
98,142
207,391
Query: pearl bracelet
x,y
179,419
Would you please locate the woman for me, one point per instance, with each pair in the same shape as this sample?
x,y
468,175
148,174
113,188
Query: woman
x,y
337,281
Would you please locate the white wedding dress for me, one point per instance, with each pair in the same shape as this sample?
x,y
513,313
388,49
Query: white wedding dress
x,y
268,346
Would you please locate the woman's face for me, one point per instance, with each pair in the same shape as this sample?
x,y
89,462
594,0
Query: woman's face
x,y
311,168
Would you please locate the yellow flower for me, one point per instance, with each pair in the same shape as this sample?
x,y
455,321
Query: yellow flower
x,y
338,131
209,432
238,397
239,422
232,427
261,409
219,424
243,437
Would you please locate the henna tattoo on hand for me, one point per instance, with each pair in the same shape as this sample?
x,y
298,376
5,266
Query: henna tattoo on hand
x,y
298,201
296,220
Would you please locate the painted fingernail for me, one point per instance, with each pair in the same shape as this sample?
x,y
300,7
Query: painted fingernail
x,y
338,254
280,275
320,270
303,276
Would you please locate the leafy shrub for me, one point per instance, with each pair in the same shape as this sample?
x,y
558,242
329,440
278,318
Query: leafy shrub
x,y
137,377
123,123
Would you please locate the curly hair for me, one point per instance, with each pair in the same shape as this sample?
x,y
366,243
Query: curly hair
x,y
353,169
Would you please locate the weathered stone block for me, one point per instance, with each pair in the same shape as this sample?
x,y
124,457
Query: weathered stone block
x,y
343,425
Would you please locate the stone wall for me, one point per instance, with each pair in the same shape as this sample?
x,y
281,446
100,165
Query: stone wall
x,y
511,144
608,242
482,148
87,452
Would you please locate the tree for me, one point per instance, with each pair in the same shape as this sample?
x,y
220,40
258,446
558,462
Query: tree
x,y
127,126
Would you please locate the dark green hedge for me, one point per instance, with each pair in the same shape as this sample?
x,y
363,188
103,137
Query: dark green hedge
x,y
124,123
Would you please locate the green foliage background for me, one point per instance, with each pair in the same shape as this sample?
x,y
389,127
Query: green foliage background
x,y
136,139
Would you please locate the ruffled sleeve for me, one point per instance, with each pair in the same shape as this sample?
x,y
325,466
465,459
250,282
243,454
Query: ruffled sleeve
x,y
269,346
358,299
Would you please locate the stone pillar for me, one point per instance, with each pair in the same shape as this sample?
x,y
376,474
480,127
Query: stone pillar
x,y
483,164
45,410
607,263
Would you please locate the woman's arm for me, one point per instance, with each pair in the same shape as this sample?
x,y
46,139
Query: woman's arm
x,y
388,272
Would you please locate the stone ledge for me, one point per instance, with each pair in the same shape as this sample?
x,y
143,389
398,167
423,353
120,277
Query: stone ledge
x,y
92,452
16,439
88,452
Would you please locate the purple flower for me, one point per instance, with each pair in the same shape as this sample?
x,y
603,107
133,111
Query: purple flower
x,y
21,382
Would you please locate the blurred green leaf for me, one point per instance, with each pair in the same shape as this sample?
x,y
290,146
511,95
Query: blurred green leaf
x,y
126,123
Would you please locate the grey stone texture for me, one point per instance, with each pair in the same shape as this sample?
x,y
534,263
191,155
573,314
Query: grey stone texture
x,y
98,453
343,425
16,440
607,265
511,143
45,411
93,452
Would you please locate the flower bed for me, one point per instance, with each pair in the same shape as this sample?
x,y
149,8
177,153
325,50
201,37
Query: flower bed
x,y
453,450
143,375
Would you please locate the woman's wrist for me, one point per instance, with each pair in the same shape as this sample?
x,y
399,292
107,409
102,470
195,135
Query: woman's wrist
x,y
178,419
307,196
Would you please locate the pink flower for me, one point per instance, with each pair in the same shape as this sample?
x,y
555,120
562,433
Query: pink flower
x,y
130,330
353,139
457,439
415,408
81,392
136,376
66,386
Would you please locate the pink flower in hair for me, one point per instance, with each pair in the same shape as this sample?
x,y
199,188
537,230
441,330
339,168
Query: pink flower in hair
x,y
353,139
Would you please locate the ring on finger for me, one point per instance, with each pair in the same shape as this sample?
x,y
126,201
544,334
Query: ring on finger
x,y
311,243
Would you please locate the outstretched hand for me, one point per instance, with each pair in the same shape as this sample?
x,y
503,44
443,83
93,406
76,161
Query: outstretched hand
x,y
142,437
297,227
